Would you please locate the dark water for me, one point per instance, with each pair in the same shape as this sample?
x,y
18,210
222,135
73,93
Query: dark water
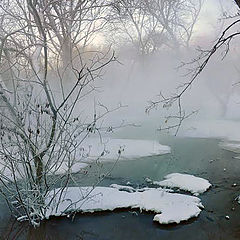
x,y
201,157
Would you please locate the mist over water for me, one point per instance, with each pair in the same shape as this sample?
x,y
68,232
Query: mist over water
x,y
136,80
72,95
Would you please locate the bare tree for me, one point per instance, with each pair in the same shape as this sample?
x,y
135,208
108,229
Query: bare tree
x,y
41,132
154,24
176,18
70,26
131,21
229,34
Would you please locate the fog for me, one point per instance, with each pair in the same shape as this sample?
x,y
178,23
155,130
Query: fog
x,y
135,80
134,83
148,61
85,85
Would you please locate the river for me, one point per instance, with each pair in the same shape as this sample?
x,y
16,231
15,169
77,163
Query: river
x,y
200,157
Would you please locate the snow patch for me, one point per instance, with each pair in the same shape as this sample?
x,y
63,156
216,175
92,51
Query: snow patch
x,y
186,182
170,207
223,129
230,146
56,170
108,149
64,168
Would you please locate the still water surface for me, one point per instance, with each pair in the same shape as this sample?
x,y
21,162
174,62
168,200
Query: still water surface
x,y
201,157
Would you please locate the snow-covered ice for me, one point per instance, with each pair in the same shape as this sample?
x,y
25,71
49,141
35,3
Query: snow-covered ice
x,y
230,146
186,182
75,168
169,207
130,148
106,150
55,170
222,129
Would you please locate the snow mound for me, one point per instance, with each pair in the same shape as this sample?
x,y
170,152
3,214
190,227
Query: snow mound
x,y
170,207
108,149
186,182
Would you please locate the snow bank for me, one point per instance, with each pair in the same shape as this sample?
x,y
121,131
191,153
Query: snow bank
x,y
106,150
230,146
58,170
130,148
190,183
223,129
170,207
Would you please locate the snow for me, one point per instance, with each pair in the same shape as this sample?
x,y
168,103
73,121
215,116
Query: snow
x,y
56,170
211,128
130,149
75,168
238,199
230,146
227,217
169,207
106,150
123,188
186,182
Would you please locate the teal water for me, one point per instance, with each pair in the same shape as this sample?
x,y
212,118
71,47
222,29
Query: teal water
x,y
201,157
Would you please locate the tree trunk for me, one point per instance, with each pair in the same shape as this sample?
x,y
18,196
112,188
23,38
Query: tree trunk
x,y
39,171
66,56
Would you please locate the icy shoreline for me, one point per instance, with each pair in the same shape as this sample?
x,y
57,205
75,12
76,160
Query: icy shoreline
x,y
108,149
